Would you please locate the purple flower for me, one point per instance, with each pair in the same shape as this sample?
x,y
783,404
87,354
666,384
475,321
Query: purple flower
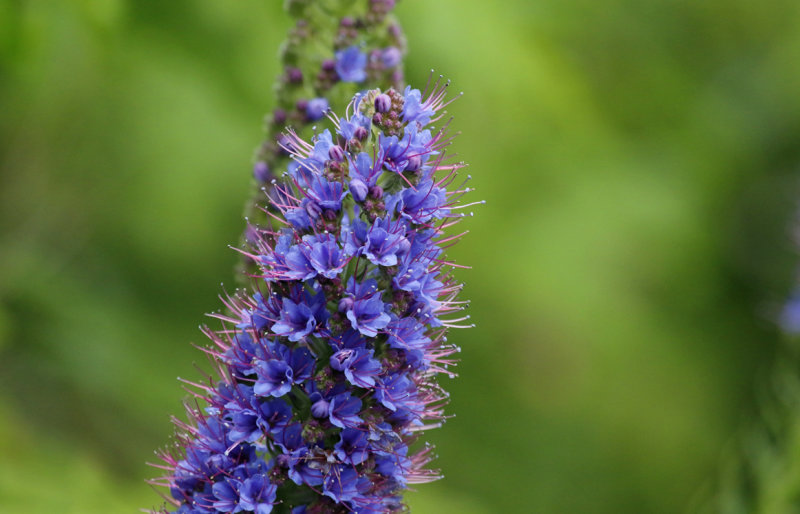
x,y
306,467
351,64
395,391
275,378
363,168
328,195
343,411
420,205
391,56
316,108
358,366
367,312
414,109
300,316
343,483
353,446
226,492
324,255
257,494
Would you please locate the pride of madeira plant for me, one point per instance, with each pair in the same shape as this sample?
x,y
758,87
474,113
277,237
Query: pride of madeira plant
x,y
326,366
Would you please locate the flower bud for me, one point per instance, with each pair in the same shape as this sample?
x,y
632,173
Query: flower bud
x,y
346,304
360,133
261,172
336,153
358,189
383,103
328,65
279,116
376,191
313,209
391,57
414,163
294,75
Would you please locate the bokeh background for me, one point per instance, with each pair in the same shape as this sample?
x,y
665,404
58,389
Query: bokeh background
x,y
640,162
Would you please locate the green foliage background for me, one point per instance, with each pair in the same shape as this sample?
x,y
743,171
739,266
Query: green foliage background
x,y
639,159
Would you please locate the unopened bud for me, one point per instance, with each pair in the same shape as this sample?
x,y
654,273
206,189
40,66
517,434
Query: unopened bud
x,y
383,103
414,163
261,172
358,189
336,153
360,133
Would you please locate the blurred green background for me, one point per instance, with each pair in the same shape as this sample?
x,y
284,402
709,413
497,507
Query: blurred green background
x,y
640,162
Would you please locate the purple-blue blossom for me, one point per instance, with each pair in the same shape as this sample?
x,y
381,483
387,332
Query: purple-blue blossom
x,y
327,365
351,65
316,108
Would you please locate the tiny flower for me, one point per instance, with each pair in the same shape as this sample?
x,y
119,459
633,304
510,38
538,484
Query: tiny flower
x,y
316,108
367,314
351,64
391,57
300,317
257,494
358,365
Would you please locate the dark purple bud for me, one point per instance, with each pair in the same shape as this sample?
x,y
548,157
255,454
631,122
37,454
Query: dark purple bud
x,y
336,153
383,103
301,105
279,116
328,65
294,75
346,22
313,209
376,191
330,214
360,133
377,118
414,163
346,304
358,189
354,144
391,57
261,172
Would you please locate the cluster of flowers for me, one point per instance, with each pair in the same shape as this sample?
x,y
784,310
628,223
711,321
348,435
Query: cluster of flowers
x,y
327,372
366,50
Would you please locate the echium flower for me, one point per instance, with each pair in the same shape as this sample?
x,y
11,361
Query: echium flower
x,y
327,368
